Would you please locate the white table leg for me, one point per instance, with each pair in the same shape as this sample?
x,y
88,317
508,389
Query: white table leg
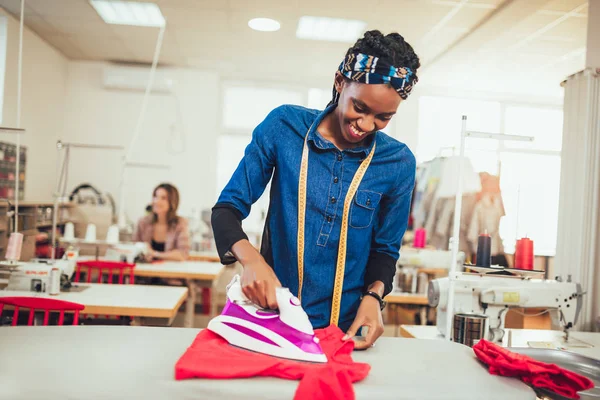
x,y
190,304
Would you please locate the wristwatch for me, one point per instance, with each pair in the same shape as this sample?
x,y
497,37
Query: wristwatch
x,y
382,303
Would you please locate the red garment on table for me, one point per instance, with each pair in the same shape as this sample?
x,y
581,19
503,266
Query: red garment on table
x,y
539,374
210,356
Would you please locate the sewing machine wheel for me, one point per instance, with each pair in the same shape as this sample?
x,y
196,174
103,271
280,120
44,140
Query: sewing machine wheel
x,y
496,334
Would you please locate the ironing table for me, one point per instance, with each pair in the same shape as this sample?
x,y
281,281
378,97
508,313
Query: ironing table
x,y
114,362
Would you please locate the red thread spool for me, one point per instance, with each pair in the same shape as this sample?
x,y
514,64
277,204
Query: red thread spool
x,y
524,254
420,238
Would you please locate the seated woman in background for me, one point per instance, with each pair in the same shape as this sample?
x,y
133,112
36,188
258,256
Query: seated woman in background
x,y
165,232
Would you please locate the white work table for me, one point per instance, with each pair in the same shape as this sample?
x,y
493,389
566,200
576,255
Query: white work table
x,y
193,272
138,301
111,362
196,270
518,337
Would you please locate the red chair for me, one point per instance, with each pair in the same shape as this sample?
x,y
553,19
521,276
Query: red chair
x,y
41,304
102,266
105,267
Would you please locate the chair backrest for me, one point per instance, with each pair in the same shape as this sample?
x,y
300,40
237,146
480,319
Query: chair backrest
x,y
41,304
102,267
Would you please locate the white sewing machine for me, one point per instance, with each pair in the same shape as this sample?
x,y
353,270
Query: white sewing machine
x,y
127,252
411,257
493,295
34,275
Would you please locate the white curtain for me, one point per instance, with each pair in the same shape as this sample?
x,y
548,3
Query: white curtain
x,y
578,243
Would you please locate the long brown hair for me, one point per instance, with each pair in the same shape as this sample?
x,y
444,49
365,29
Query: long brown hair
x,y
173,198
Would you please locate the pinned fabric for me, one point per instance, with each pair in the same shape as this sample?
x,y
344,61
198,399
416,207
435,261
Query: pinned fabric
x,y
331,380
536,373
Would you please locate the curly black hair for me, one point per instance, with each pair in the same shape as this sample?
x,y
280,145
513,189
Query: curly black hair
x,y
391,48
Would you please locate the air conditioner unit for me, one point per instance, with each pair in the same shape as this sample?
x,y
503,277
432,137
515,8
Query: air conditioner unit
x,y
118,77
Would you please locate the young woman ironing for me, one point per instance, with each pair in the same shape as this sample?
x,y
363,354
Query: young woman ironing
x,y
340,194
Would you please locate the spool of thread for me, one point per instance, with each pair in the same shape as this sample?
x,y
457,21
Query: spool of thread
x,y
54,281
90,233
15,243
112,236
420,238
469,328
69,231
484,250
524,254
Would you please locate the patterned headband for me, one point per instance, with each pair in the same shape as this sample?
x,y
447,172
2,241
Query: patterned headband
x,y
367,69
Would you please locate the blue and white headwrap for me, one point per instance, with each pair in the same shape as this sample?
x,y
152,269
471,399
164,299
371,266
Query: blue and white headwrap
x,y
367,69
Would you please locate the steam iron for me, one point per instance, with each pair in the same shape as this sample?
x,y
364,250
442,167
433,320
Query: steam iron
x,y
286,333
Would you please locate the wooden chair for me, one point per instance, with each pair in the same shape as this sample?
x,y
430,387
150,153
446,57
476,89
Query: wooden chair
x,y
41,304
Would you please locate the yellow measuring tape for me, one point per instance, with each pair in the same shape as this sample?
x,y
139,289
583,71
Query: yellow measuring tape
x,y
341,260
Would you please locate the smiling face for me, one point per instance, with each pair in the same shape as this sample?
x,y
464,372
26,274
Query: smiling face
x,y
362,110
160,202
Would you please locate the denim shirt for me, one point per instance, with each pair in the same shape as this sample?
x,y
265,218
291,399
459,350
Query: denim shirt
x,y
378,214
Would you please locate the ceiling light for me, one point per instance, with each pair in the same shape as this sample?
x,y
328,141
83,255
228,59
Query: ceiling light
x,y
129,13
264,24
330,29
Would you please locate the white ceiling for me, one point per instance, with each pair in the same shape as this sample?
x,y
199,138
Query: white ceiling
x,y
519,46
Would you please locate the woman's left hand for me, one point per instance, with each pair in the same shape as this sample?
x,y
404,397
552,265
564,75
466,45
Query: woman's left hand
x,y
369,315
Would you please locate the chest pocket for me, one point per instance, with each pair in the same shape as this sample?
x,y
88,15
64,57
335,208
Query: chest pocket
x,y
363,207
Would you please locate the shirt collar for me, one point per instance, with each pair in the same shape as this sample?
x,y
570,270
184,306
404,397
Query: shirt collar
x,y
321,143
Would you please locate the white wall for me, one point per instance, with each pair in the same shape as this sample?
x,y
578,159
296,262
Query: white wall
x,y
43,105
592,58
185,140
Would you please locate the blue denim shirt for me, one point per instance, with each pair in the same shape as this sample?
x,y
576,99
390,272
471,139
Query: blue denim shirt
x,y
378,214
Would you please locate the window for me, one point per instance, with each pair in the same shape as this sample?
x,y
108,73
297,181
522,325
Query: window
x,y
529,171
544,124
530,178
530,186
244,107
440,124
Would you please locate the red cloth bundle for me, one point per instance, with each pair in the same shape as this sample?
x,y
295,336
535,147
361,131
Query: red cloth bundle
x,y
331,380
536,373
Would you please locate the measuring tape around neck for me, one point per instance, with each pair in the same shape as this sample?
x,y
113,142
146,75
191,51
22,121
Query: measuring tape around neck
x,y
341,260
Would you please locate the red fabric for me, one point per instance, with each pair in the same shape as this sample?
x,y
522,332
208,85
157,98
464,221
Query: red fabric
x,y
548,376
331,380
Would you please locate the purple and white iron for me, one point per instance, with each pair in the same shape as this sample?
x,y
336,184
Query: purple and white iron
x,y
286,333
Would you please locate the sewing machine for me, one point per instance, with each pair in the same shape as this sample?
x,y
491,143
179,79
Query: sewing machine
x,y
127,252
493,295
34,275
428,258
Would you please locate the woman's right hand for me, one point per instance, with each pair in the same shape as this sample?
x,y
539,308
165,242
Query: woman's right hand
x,y
259,283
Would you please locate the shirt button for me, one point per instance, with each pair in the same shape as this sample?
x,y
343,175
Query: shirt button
x,y
329,219
333,199
339,157
335,180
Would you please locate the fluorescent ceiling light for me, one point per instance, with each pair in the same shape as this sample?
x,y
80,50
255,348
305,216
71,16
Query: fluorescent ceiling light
x,y
129,13
330,29
264,24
